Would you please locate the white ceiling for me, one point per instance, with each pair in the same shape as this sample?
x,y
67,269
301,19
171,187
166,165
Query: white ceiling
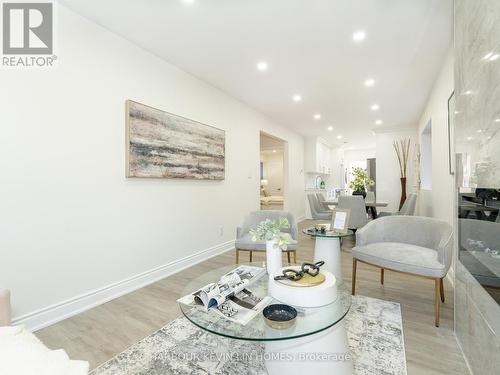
x,y
308,46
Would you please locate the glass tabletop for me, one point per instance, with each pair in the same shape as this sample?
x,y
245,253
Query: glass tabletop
x,y
328,234
309,320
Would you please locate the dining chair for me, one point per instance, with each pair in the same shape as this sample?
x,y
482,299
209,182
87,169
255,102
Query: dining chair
x,y
408,208
322,200
244,240
356,203
425,250
317,212
370,196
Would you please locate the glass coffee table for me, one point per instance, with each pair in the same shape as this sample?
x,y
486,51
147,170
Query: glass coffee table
x,y
316,343
327,249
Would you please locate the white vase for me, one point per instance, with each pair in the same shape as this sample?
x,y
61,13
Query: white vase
x,y
273,257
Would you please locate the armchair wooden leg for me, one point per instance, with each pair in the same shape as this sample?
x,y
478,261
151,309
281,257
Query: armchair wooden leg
x,y
288,256
441,287
295,257
382,276
354,264
237,256
437,300
251,256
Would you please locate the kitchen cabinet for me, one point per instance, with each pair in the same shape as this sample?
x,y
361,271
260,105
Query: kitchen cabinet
x,y
317,156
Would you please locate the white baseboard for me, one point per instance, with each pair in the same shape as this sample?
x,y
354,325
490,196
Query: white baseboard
x,y
52,314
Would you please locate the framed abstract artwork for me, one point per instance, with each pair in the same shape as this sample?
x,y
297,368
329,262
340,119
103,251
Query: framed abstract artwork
x,y
164,145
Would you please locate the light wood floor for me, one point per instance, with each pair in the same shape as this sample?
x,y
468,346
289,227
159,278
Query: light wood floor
x,y
101,333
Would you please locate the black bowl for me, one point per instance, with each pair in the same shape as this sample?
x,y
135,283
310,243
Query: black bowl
x,y
279,316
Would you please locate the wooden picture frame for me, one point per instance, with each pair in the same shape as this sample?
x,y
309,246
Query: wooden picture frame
x,y
340,220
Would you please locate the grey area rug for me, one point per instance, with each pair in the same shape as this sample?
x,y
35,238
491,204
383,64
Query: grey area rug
x,y
374,329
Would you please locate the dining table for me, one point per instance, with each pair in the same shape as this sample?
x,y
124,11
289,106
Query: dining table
x,y
481,212
370,205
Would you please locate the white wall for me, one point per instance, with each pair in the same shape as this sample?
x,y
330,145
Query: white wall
x,y
336,179
388,172
72,224
426,157
356,155
438,202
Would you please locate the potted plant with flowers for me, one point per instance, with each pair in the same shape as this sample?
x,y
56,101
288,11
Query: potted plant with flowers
x,y
276,241
360,182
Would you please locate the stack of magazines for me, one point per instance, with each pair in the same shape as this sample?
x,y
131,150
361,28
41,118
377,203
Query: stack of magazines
x,y
230,297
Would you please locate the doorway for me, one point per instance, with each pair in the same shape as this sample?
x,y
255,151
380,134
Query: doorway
x,y
272,172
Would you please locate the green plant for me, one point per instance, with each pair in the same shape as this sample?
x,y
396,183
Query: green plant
x,y
361,179
270,230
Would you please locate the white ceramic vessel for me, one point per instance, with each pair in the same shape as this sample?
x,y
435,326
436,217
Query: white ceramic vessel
x,y
273,257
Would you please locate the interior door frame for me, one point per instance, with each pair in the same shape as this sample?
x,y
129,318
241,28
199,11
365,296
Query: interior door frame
x,y
286,199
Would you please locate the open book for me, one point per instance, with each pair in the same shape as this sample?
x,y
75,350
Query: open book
x,y
229,297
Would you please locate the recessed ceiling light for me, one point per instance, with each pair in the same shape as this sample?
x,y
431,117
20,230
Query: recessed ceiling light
x,y
274,151
262,66
479,130
494,57
297,98
188,1
469,138
339,136
497,120
468,92
457,112
375,107
369,82
317,116
330,128
378,122
359,36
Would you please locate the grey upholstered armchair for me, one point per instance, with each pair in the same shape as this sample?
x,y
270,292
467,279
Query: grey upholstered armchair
x,y
244,239
415,245
318,212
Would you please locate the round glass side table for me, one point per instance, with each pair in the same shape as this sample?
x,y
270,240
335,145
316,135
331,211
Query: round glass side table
x,y
317,341
327,249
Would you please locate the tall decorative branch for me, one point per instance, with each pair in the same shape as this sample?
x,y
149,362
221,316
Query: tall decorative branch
x,y
416,167
402,148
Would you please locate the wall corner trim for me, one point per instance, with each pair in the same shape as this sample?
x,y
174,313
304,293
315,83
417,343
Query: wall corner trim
x,y
55,313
